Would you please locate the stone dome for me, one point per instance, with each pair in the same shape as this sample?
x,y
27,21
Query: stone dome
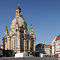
x,y
18,20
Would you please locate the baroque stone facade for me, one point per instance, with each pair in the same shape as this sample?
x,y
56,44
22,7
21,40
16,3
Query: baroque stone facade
x,y
18,39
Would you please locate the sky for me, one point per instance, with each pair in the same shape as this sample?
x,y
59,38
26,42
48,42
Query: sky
x,y
44,15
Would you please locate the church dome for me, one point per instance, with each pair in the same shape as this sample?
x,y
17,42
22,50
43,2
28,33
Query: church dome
x,y
18,20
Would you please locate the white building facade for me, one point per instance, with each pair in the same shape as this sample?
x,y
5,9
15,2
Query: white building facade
x,y
56,45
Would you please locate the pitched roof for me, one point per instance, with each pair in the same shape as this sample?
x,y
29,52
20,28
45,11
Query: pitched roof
x,y
58,37
47,46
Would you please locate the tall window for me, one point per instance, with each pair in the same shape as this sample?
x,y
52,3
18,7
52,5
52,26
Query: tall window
x,y
17,12
16,44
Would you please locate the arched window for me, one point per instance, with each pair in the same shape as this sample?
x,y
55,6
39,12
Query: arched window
x,y
16,44
17,12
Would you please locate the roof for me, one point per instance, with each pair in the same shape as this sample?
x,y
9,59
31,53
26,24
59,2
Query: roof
x,y
58,37
39,45
47,46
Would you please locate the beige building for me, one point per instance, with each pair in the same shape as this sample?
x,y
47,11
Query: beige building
x,y
47,49
18,39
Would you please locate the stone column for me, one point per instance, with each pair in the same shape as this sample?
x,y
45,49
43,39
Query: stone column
x,y
24,41
29,47
34,46
8,43
11,44
18,38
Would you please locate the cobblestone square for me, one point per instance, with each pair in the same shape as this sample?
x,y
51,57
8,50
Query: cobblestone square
x,y
29,58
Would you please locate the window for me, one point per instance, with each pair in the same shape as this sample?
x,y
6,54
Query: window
x,y
16,44
17,12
